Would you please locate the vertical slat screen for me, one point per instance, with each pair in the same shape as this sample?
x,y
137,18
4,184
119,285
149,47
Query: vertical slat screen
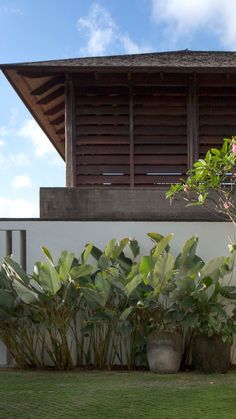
x,y
160,134
102,136
217,110
132,135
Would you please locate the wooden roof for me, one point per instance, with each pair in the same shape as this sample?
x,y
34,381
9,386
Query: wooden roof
x,y
41,85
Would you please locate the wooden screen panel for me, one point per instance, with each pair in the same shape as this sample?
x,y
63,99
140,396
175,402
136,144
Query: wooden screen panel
x,y
160,134
217,110
102,136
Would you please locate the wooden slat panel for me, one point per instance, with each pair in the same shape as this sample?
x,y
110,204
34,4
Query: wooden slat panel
x,y
137,78
59,120
104,160
55,109
150,180
102,110
140,110
139,169
93,180
217,101
215,120
160,100
100,130
106,139
160,149
52,96
211,140
218,111
101,120
101,90
161,120
160,90
217,91
160,139
161,160
220,130
102,149
101,100
167,79
98,170
43,88
160,130
217,79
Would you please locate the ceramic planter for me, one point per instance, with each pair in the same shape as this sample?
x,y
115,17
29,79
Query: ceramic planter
x,y
210,354
164,352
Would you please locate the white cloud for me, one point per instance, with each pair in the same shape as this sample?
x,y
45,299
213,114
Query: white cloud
x,y
17,208
99,28
21,181
19,159
31,130
4,131
8,10
184,17
2,142
103,35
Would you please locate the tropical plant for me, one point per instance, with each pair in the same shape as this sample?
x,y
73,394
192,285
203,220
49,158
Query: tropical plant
x,y
211,182
98,309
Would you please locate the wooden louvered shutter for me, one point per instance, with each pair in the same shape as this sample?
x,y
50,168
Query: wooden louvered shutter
x,y
102,136
160,134
217,110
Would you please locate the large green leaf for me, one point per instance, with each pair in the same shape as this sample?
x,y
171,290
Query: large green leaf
x,y
24,293
93,297
162,245
48,278
103,286
65,263
146,264
81,271
96,253
87,252
164,268
125,314
114,248
156,237
47,254
213,268
133,284
134,246
14,270
187,254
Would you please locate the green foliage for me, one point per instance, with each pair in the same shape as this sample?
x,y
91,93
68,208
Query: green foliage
x,y
211,181
72,312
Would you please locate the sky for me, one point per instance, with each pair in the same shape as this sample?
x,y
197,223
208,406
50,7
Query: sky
x,y
53,29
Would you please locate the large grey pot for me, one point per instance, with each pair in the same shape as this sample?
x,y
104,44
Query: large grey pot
x,y
164,352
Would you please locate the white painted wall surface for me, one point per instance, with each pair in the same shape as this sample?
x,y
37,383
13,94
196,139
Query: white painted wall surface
x,y
74,235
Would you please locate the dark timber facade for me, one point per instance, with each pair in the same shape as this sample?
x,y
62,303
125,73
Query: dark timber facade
x,y
128,122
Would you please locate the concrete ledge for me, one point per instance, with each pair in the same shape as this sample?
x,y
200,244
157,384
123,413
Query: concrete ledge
x,y
118,204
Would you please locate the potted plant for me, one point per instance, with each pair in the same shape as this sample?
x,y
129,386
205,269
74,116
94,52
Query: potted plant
x,y
148,292
204,303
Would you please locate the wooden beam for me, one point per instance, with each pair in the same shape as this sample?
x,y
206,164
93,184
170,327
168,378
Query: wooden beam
x,y
55,109
58,121
131,136
52,96
192,120
70,153
48,85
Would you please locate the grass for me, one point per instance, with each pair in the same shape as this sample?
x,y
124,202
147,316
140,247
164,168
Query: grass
x,y
93,394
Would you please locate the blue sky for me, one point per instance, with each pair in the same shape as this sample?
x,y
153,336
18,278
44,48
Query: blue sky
x,y
49,29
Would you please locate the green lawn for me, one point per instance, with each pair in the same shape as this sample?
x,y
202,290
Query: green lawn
x,y
94,394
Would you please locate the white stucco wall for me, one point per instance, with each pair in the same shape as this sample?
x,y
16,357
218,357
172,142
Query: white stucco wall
x,y
74,235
